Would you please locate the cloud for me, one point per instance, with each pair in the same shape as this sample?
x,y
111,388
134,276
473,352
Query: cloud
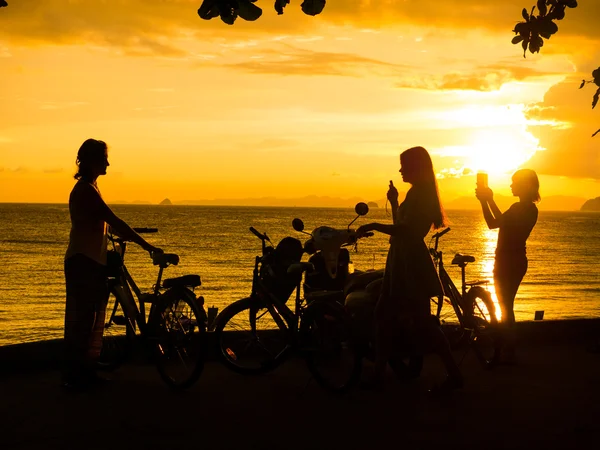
x,y
569,148
295,61
483,78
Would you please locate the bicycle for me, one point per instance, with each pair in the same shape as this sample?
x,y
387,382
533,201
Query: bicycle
x,y
473,307
174,327
256,334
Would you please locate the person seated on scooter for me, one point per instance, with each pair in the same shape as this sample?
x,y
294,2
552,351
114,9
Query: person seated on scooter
x,y
410,278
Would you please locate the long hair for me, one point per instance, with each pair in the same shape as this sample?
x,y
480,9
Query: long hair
x,y
90,152
530,180
417,161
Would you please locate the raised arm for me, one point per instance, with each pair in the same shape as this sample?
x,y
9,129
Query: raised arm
x,y
491,212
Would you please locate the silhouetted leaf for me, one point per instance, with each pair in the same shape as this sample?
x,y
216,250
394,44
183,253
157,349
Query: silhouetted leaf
x,y
547,28
248,11
525,14
595,133
524,45
312,7
582,84
280,4
541,5
3,3
595,99
521,27
208,9
559,13
517,39
596,75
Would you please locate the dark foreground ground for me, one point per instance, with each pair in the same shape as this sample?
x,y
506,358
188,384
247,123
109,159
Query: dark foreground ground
x,y
550,401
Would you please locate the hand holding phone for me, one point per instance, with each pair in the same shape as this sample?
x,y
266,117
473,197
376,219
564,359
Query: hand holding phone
x,y
392,194
482,180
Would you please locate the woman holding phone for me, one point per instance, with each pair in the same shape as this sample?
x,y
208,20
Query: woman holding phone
x,y
410,278
510,263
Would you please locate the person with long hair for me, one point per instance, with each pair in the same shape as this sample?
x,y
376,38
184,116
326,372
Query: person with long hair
x,y
85,267
510,263
410,278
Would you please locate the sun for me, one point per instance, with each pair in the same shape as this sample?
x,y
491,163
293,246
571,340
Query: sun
x,y
499,151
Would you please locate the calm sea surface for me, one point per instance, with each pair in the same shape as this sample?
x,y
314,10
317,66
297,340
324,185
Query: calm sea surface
x,y
563,250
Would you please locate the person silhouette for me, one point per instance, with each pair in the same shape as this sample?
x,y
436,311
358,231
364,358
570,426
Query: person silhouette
x,y
510,262
410,278
85,267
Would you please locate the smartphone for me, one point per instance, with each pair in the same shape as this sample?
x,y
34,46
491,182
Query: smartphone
x,y
482,179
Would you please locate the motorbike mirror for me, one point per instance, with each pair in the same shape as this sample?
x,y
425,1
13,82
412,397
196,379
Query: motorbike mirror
x,y
298,224
361,208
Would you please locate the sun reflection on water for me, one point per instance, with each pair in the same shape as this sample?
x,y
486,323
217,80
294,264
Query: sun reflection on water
x,y
489,239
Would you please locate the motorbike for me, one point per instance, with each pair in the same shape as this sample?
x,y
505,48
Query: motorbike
x,y
332,279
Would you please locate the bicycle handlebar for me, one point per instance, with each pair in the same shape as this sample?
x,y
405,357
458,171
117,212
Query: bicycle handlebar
x,y
441,233
437,237
262,237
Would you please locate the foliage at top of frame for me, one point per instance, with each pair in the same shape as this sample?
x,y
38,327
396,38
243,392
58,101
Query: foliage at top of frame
x,y
230,10
532,32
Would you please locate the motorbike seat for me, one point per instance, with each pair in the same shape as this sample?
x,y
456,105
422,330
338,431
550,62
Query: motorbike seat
x,y
460,259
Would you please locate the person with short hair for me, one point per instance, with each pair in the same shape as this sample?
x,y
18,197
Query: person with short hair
x,y
85,267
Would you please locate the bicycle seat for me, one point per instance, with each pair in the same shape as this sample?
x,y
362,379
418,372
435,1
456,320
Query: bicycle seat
x,y
300,267
164,259
461,260
184,281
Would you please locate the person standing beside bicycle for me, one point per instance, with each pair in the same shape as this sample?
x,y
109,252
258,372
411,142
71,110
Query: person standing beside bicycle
x,y
510,264
410,278
85,267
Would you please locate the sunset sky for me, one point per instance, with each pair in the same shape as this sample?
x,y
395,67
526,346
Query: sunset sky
x,y
292,105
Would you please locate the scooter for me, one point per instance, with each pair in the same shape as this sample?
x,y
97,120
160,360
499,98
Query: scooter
x,y
358,291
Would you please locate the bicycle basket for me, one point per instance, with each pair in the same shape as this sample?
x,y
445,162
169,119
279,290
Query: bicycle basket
x,y
114,262
274,269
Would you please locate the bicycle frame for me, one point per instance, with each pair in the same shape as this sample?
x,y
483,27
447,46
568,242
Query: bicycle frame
x,y
126,291
284,317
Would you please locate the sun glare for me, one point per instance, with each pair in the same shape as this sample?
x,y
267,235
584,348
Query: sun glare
x,y
499,152
496,139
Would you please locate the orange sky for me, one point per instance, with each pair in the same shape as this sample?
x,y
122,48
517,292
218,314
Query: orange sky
x,y
291,105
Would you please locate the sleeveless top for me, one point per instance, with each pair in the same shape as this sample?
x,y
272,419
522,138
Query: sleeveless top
x,y
515,227
88,233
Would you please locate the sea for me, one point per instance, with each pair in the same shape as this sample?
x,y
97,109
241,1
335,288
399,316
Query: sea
x,y
563,279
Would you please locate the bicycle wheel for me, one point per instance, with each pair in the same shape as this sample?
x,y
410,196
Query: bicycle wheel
x,y
180,333
483,321
249,340
329,346
444,311
116,340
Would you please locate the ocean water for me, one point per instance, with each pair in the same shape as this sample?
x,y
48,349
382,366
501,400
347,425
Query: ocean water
x,y
563,250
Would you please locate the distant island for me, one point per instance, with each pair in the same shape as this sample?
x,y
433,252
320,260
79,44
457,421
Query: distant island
x,y
548,203
591,205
